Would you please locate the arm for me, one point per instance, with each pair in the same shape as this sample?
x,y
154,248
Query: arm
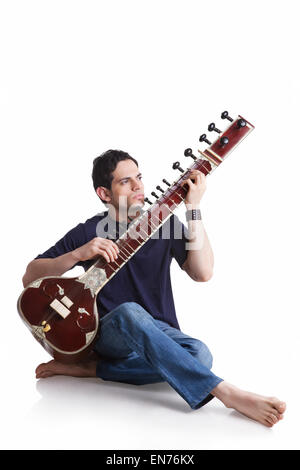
x,y
200,259
48,267
57,266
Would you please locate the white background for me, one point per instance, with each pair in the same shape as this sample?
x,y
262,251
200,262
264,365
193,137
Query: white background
x,y
79,77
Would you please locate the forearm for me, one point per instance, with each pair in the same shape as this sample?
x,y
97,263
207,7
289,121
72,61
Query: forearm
x,y
49,267
43,267
200,259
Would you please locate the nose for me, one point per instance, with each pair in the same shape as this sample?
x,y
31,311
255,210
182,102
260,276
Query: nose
x,y
138,184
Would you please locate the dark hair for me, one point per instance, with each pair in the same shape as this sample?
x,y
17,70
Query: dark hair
x,y
105,165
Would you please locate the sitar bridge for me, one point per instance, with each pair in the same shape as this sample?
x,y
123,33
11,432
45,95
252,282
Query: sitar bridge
x,y
60,308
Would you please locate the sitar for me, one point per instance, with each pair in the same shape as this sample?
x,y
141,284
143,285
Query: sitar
x,y
62,312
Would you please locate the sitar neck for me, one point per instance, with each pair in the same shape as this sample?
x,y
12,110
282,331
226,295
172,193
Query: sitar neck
x,y
145,226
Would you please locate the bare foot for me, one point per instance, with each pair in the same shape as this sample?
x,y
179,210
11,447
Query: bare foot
x,y
265,410
84,369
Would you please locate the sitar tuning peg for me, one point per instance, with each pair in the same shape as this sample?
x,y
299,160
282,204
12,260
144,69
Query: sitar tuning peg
x,y
160,189
212,127
203,138
166,182
241,123
176,166
147,200
154,194
225,115
189,153
224,141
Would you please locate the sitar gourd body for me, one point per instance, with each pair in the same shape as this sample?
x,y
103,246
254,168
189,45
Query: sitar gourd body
x,y
62,315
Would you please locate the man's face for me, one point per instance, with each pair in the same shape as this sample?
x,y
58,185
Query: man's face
x,y
127,188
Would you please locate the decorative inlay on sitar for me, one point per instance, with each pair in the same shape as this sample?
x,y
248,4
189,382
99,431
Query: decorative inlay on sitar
x,y
61,312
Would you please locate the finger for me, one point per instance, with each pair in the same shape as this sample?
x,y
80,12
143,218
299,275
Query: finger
x,y
113,246
104,244
197,180
188,182
194,180
195,173
111,253
202,180
104,255
191,176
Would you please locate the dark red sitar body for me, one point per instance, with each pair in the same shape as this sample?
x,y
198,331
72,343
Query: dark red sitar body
x,y
62,312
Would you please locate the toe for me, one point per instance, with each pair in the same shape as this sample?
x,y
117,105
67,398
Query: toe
x,y
42,369
268,423
43,365
39,367
275,412
282,407
278,404
273,418
43,375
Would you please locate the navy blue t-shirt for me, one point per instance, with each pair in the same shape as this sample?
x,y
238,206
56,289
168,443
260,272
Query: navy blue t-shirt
x,y
145,278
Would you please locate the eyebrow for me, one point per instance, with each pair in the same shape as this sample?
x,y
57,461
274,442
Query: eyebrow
x,y
128,177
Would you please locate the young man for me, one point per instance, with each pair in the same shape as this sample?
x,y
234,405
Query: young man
x,y
140,340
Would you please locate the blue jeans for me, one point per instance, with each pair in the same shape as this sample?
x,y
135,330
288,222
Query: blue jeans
x,y
137,349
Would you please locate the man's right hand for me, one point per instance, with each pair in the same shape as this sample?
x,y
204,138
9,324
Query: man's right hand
x,y
43,267
97,247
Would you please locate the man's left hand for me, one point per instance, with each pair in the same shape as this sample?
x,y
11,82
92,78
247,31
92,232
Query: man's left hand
x,y
196,189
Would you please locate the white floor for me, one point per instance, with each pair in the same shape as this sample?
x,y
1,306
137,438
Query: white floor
x,y
70,413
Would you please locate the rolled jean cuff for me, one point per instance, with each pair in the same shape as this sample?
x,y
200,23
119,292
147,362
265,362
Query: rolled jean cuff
x,y
206,397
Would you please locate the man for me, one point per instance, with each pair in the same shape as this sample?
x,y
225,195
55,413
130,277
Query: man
x,y
140,340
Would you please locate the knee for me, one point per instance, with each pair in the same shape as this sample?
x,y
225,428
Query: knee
x,y
203,355
131,312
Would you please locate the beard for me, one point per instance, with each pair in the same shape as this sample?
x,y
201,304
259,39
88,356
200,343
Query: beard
x,y
135,209
128,208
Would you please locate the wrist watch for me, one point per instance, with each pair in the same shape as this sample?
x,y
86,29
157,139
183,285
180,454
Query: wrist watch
x,y
193,214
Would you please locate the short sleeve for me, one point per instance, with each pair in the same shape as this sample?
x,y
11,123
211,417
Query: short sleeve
x,y
178,240
73,239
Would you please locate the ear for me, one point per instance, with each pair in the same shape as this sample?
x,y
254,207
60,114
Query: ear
x,y
104,193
